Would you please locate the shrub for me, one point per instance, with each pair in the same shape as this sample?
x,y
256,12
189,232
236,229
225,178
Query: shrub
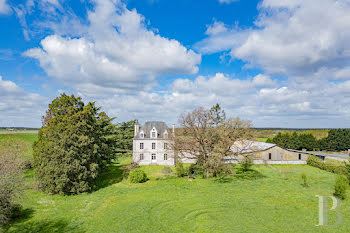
x,y
304,179
195,170
314,161
128,168
180,170
329,165
11,179
137,176
340,187
167,170
246,163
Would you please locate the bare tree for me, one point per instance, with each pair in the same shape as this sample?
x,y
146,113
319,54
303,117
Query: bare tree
x,y
10,181
208,136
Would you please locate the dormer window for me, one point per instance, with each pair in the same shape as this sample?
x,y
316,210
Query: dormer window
x,y
154,133
142,135
165,134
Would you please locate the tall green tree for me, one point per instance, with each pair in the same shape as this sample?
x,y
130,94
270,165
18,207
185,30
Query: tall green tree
x,y
124,136
74,144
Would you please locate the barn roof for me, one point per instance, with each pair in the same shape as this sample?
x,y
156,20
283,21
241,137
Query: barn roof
x,y
248,146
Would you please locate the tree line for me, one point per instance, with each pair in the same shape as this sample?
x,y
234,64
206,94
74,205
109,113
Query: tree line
x,y
337,140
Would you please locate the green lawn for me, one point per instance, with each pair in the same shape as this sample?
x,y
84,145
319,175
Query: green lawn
x,y
271,199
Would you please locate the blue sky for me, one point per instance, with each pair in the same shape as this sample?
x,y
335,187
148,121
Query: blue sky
x,y
278,64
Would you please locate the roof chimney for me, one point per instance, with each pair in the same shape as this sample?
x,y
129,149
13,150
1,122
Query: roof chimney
x,y
137,128
174,130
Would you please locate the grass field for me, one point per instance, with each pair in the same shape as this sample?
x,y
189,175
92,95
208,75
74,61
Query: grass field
x,y
270,199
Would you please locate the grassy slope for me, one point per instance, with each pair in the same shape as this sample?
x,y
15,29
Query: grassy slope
x,y
273,202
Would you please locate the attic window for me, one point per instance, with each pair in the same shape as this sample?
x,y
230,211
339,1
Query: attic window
x,y
142,135
165,134
153,134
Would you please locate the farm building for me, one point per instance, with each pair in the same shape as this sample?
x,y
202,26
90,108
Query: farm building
x,y
263,152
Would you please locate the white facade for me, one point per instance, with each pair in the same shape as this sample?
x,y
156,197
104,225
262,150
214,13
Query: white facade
x,y
151,144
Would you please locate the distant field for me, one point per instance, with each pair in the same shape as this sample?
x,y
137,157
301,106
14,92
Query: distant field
x,y
5,131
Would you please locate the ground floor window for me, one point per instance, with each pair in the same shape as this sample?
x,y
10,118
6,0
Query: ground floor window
x,y
154,157
165,157
299,156
270,156
141,157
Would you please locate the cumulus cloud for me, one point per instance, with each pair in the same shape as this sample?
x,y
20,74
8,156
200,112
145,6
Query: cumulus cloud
x,y
259,99
228,1
4,7
290,37
117,51
18,107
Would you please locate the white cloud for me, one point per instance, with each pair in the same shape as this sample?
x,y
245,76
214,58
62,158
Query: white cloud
x,y
18,107
117,50
290,37
228,1
4,7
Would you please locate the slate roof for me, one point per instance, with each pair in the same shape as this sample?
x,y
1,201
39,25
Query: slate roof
x,y
160,126
247,146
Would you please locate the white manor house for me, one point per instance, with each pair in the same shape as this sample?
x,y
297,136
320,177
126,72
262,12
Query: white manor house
x,y
151,144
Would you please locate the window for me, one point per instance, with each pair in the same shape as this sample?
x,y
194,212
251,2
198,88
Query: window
x,y
142,135
299,156
153,134
154,157
165,145
166,135
141,145
141,157
153,145
270,156
165,157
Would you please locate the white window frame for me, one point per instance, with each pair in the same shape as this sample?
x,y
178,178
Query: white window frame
x,y
165,156
165,145
142,135
153,157
142,146
153,145
142,157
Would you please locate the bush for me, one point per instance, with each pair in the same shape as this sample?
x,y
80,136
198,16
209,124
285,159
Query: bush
x,y
304,179
195,170
340,187
180,170
329,165
246,164
167,170
11,180
314,161
137,176
128,168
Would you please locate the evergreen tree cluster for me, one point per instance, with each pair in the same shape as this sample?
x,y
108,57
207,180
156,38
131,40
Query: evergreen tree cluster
x,y
124,136
74,145
337,140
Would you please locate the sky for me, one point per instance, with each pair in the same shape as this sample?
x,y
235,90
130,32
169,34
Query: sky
x,y
275,63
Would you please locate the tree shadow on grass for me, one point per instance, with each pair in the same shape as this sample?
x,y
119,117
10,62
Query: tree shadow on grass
x,y
112,174
46,226
248,175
